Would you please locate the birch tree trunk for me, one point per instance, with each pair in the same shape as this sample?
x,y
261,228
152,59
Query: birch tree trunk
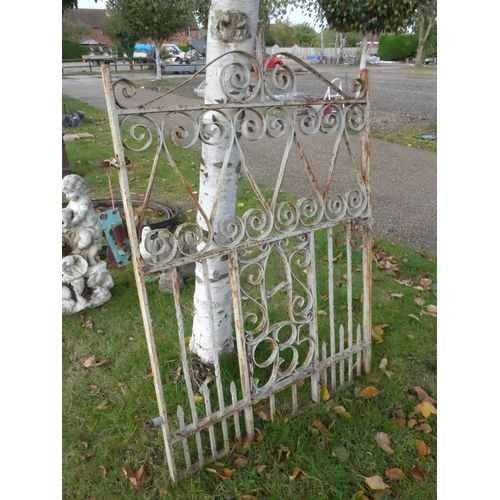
x,y
364,52
232,25
157,44
422,38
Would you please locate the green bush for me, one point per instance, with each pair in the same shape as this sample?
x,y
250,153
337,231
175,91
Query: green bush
x,y
430,47
73,50
183,46
397,47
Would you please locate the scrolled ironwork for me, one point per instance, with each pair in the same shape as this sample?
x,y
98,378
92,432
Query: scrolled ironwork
x,y
214,127
236,78
140,132
310,120
252,123
161,245
279,122
182,135
124,87
356,117
191,239
280,83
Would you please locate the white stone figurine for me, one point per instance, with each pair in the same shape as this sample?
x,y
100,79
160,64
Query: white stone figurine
x,y
81,228
85,280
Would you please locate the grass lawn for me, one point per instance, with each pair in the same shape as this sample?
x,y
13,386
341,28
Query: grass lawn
x,y
377,445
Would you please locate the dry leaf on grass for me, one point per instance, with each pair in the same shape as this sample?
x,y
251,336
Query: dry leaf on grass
x,y
136,478
323,392
384,442
340,410
369,392
395,474
426,409
319,427
423,396
263,412
342,453
426,428
412,423
418,473
383,367
376,483
422,448
296,472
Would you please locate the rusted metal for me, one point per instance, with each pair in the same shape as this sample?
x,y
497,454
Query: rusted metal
x,y
289,325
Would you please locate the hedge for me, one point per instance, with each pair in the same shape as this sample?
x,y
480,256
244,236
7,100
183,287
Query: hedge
x,y
397,47
73,50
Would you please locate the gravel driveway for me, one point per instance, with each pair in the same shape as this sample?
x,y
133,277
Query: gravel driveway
x,y
403,178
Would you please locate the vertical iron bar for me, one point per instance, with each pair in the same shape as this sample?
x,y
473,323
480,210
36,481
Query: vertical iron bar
x,y
234,399
218,380
184,360
240,344
348,236
313,325
137,265
331,303
367,229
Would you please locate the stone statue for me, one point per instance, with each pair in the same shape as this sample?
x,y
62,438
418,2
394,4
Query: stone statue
x,y
85,280
81,228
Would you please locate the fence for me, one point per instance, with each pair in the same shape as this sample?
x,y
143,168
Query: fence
x,y
290,274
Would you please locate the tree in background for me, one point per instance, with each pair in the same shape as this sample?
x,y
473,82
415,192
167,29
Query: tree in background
x,y
116,28
284,33
157,20
370,17
425,21
306,35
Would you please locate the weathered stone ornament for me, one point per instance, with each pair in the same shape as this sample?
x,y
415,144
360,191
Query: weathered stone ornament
x,y
85,280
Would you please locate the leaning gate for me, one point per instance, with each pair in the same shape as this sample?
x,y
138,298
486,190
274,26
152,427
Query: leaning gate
x,y
298,250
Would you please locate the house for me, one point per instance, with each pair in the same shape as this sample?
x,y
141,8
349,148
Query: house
x,y
94,18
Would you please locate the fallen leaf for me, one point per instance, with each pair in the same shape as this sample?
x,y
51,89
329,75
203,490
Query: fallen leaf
x,y
323,392
383,366
198,399
418,473
241,204
260,469
422,448
103,470
228,472
89,362
369,392
340,410
239,459
102,363
136,478
81,441
376,483
415,317
378,334
283,453
397,295
321,429
258,435
401,421
412,423
426,409
296,472
423,396
87,455
102,406
263,412
384,442
395,474
432,309
426,428
342,453
420,301
322,313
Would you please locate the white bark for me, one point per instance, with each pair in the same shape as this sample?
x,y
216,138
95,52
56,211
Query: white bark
x,y
364,51
223,35
158,61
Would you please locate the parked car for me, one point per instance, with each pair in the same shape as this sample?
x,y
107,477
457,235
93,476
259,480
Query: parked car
x,y
274,60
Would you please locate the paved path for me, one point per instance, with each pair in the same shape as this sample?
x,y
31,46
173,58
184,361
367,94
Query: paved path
x,y
403,178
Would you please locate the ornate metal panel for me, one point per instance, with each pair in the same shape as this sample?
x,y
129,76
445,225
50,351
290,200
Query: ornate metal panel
x,y
299,259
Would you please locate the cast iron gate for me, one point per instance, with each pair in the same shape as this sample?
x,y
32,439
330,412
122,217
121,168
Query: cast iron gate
x,y
299,264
